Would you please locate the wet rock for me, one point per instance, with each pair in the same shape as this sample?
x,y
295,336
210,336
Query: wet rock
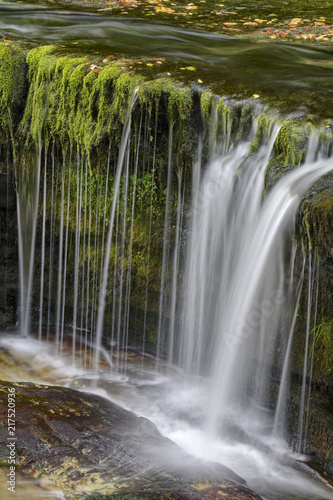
x,y
319,417
9,253
88,445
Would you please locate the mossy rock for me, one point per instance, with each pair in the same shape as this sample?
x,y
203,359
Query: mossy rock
x,y
90,446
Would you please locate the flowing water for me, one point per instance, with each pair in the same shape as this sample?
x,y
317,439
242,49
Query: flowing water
x,y
242,286
293,73
231,269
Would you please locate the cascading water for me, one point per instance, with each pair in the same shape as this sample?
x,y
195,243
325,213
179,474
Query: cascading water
x,y
236,297
226,306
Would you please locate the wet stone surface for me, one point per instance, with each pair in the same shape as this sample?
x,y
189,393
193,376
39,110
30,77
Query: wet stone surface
x,y
87,444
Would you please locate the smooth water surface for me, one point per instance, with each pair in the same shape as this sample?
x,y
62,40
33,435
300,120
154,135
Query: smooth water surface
x,y
284,72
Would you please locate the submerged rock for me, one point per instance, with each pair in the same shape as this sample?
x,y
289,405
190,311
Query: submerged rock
x,y
88,445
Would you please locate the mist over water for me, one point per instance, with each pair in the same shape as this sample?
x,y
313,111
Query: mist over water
x,y
176,406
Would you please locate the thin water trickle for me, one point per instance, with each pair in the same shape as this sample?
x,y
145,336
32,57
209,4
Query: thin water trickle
x,y
121,158
27,182
165,254
149,243
54,193
65,257
60,261
306,353
175,273
41,297
315,277
281,405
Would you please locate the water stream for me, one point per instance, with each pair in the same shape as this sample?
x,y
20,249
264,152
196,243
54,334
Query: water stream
x,y
243,278
231,268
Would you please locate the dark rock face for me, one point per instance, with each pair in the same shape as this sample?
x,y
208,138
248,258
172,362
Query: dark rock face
x,y
87,444
315,224
9,252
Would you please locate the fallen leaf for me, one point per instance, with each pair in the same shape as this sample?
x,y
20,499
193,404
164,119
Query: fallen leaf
x,y
190,68
149,64
255,96
166,10
296,21
200,81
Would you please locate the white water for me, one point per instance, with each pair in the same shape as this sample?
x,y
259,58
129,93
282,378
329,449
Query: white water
x,y
236,300
241,296
177,409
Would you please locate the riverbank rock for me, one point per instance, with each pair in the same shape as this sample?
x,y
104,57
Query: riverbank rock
x,y
88,445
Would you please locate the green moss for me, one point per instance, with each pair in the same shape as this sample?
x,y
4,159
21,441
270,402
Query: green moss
x,y
292,140
179,98
206,100
315,220
12,84
264,123
323,347
290,147
73,100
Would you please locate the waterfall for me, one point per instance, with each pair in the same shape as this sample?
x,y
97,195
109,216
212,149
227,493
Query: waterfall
x,y
197,265
236,298
171,243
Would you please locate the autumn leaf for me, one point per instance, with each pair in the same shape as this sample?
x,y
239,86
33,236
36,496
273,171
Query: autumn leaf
x,y
295,22
166,10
